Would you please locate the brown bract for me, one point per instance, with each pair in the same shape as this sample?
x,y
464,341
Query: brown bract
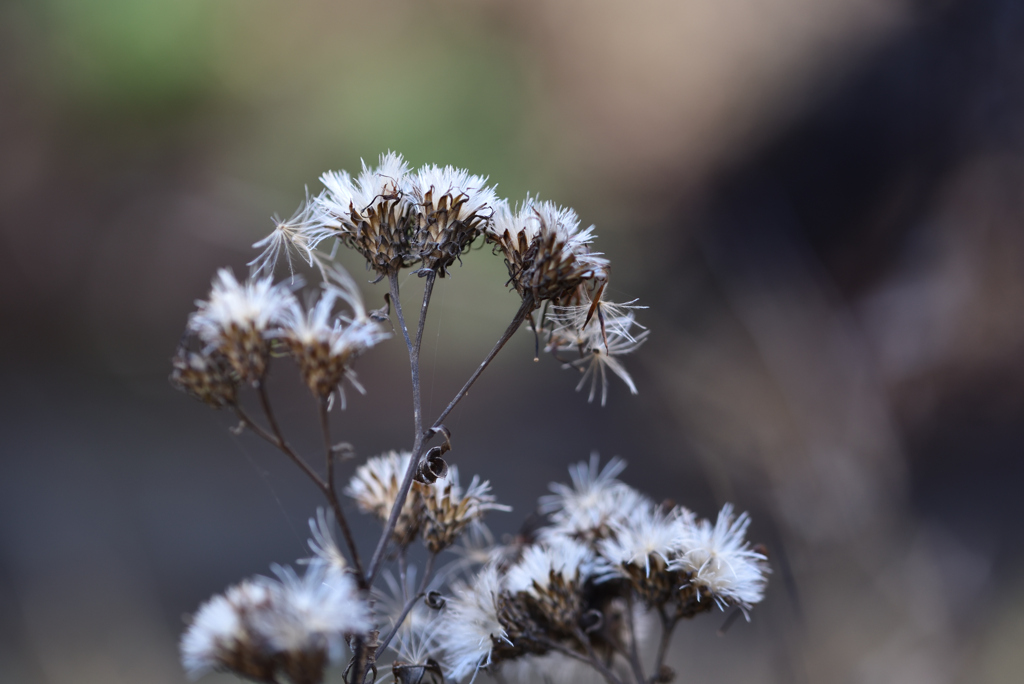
x,y
380,232
545,267
440,236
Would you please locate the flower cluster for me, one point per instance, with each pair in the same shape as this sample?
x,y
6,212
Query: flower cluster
x,y
575,592
241,323
397,217
568,592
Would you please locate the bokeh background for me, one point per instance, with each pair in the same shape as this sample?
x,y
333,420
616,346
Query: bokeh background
x,y
821,202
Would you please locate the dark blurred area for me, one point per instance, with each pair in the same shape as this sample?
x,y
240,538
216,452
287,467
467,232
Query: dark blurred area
x,y
821,203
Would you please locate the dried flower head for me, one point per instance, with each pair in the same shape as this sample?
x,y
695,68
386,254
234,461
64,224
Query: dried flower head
x,y
451,209
547,254
207,377
221,635
470,631
719,561
594,504
237,319
325,343
546,584
262,628
449,510
371,213
643,546
375,486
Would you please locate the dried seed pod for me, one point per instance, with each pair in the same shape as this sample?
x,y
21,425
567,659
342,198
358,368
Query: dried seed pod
x,y
371,214
206,377
547,254
237,321
451,209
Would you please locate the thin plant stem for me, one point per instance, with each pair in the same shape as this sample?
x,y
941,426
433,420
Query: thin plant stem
x,y
634,652
276,437
524,310
600,666
398,624
280,442
428,568
414,460
409,603
331,491
668,624
590,659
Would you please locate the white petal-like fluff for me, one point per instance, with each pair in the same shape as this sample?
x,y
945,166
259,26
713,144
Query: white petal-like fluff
x,y
449,180
255,305
566,558
596,500
314,610
721,560
648,532
262,617
217,627
325,549
375,484
346,199
469,623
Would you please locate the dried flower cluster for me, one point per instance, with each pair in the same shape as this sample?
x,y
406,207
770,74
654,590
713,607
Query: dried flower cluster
x,y
570,591
397,217
578,593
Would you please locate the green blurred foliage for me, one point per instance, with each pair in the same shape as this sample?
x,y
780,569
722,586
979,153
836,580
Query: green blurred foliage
x,y
128,55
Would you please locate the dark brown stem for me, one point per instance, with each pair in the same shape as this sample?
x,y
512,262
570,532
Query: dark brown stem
x,y
331,491
524,310
603,669
280,442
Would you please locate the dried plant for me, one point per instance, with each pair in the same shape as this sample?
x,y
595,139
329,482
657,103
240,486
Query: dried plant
x,y
577,595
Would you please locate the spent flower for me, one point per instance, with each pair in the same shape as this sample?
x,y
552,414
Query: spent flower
x,y
237,320
451,209
371,212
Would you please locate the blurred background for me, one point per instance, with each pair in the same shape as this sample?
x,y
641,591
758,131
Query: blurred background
x,y
821,202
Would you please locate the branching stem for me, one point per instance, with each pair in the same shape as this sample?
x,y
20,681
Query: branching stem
x,y
524,310
414,461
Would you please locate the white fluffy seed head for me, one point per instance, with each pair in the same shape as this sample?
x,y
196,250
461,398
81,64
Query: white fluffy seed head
x,y
469,624
594,502
721,561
